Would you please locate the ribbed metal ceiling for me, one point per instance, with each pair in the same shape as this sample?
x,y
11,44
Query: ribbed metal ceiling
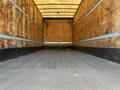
x,y
58,8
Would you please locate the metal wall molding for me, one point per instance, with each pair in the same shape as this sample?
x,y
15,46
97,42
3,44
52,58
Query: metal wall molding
x,y
94,8
90,12
8,37
106,36
21,10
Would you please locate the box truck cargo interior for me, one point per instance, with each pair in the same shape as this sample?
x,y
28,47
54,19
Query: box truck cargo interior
x,y
59,45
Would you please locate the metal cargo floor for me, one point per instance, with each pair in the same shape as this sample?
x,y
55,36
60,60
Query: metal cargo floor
x,y
59,70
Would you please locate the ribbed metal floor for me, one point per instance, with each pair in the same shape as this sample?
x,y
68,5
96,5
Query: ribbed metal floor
x,y
59,70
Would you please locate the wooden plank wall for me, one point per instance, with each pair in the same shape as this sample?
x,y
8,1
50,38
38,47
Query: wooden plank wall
x,y
58,31
15,23
103,20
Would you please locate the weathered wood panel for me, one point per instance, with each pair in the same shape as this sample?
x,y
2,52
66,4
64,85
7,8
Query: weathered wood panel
x,y
15,23
103,20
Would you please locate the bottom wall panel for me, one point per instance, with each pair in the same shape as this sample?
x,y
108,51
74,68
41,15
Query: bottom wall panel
x,y
67,47
112,54
10,53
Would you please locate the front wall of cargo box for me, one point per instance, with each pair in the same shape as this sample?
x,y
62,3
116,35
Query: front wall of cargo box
x,y
58,32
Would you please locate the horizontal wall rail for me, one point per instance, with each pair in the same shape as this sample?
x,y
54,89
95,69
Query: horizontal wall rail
x,y
13,2
8,37
107,36
91,11
21,10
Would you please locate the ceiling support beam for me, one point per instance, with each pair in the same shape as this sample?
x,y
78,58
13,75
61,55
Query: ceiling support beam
x,y
57,8
57,12
57,4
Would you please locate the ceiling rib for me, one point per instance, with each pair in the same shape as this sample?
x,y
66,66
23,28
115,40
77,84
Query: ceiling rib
x,y
59,12
58,17
58,8
57,4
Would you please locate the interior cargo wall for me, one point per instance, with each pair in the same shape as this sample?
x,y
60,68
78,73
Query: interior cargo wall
x,y
57,32
96,28
21,24
97,23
